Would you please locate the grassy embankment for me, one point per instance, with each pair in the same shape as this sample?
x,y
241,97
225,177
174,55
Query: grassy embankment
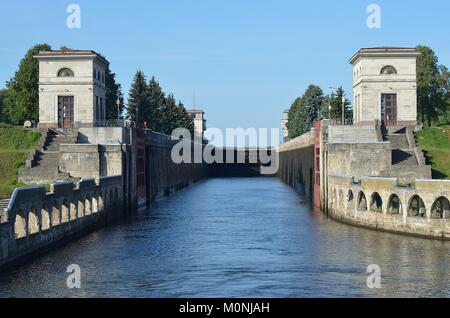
x,y
15,145
436,144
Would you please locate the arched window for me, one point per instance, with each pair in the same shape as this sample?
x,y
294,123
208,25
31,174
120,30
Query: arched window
x,y
388,70
65,72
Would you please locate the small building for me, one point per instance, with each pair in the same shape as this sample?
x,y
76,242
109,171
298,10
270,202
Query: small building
x,y
284,122
71,88
199,123
385,86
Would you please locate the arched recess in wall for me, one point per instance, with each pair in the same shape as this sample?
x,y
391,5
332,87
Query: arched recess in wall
x,y
45,218
394,205
80,206
20,225
95,203
65,72
33,221
362,202
73,210
56,214
376,203
88,205
416,207
440,208
65,210
388,70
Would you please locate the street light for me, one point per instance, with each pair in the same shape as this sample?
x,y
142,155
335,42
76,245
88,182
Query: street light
x,y
118,106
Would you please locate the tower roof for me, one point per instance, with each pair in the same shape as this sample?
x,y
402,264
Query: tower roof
x,y
71,54
385,51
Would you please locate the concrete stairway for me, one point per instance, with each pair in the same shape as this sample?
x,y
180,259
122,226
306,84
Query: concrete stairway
x,y
408,161
45,166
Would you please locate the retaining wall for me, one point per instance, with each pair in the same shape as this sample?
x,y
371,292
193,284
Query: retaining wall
x,y
35,220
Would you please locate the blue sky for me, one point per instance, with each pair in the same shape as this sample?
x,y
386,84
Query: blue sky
x,y
246,60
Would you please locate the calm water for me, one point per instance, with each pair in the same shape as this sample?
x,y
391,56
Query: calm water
x,y
236,238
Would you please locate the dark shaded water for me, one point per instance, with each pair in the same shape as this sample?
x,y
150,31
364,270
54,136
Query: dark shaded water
x,y
243,237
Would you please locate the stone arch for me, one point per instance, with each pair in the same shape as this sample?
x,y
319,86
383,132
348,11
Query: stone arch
x,y
73,210
362,202
65,210
88,205
95,203
56,214
33,221
20,225
350,196
45,218
416,207
376,203
440,208
80,207
394,205
388,70
65,72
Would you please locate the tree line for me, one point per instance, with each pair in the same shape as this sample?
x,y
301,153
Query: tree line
x,y
147,103
433,98
314,105
19,101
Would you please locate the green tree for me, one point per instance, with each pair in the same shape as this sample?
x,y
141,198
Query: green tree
x,y
432,86
332,105
3,117
113,92
137,98
156,105
185,120
22,97
304,111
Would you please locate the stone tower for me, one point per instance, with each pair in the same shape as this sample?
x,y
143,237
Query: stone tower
x,y
199,123
385,86
71,89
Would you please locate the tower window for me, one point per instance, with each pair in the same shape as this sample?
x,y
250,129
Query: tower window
x,y
65,72
388,70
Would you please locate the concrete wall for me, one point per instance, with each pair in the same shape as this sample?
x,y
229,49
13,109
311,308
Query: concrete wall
x,y
104,135
358,159
91,161
35,220
163,176
296,163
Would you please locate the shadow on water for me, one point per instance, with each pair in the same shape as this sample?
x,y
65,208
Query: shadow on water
x,y
236,237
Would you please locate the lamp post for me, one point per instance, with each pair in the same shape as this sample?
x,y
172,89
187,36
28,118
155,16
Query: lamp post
x,y
118,106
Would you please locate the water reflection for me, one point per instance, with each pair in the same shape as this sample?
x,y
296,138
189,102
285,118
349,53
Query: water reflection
x,y
236,238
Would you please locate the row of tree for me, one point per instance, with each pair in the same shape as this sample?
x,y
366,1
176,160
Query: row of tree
x,y
147,103
314,105
433,88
